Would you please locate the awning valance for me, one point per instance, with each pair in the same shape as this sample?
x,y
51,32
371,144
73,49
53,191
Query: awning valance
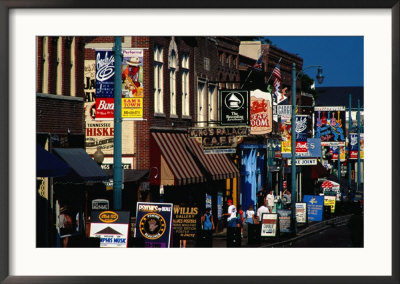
x,y
183,161
48,165
84,168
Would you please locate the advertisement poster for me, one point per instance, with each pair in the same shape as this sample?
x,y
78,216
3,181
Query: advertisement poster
x,y
260,112
153,223
313,150
269,224
234,106
285,220
301,133
185,221
219,205
132,84
330,201
330,125
105,71
354,146
315,207
112,227
334,150
301,213
286,134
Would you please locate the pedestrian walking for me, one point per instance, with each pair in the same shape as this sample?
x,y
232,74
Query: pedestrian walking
x,y
250,214
263,209
207,221
240,219
231,214
270,200
287,199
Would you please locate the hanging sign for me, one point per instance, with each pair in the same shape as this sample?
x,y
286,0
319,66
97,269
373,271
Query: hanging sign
x,y
330,125
219,137
260,112
330,201
234,106
105,70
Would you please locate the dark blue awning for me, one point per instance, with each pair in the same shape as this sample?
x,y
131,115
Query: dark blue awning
x,y
48,165
84,168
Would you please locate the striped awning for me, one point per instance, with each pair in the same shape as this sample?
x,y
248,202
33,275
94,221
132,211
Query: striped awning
x,y
173,147
218,166
187,162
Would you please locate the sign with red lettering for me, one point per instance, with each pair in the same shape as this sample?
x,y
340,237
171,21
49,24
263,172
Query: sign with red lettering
x,y
260,112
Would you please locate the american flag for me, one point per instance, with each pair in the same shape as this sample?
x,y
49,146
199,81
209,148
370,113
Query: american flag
x,y
258,64
277,72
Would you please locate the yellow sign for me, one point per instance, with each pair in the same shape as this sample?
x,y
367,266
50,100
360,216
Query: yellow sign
x,y
108,217
330,201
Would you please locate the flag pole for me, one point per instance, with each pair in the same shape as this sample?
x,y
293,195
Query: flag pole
x,y
262,52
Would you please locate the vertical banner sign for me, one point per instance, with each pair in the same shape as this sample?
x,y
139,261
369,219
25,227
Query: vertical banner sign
x,y
354,146
269,223
285,220
105,70
98,133
315,206
286,134
185,221
330,125
234,105
301,133
335,150
112,227
260,112
132,84
219,205
153,223
301,213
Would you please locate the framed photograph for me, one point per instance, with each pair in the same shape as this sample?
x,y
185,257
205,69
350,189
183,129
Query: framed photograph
x,y
22,21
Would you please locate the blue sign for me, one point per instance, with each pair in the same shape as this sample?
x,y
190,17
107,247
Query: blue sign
x,y
105,70
315,206
153,223
313,150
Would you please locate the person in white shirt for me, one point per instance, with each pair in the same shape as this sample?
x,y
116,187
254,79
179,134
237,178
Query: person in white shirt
x,y
263,209
231,214
270,200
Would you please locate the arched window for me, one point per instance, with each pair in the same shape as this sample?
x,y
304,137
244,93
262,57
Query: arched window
x,y
173,69
158,79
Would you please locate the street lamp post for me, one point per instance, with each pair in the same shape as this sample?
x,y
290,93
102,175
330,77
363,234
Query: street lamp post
x,y
295,76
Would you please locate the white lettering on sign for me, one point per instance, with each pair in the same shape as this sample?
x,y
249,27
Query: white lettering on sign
x,y
105,106
105,67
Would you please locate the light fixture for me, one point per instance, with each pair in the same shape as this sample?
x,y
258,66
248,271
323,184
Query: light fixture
x,y
320,77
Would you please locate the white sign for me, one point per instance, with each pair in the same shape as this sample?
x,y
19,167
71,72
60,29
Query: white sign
x,y
284,110
330,108
303,162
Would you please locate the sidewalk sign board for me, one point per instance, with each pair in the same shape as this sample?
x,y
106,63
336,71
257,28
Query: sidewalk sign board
x,y
112,227
185,221
301,213
285,220
153,223
315,205
330,201
269,224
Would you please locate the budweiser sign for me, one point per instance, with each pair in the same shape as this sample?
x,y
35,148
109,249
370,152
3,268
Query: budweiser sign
x,y
104,109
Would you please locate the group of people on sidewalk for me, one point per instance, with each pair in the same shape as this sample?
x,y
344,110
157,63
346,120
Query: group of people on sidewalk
x,y
236,217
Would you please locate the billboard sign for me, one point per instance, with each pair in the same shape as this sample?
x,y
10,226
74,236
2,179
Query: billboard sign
x,y
185,221
234,106
153,223
330,125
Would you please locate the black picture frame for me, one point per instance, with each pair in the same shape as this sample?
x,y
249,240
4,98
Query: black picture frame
x,y
7,5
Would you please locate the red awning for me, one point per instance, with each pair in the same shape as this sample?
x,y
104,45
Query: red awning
x,y
173,147
219,166
187,162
